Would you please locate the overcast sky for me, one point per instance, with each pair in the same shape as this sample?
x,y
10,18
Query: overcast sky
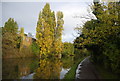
x,y
26,15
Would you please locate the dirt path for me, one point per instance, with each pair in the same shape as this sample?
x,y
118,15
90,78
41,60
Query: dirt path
x,y
86,70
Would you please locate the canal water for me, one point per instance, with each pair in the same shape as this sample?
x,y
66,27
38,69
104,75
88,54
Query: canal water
x,y
32,68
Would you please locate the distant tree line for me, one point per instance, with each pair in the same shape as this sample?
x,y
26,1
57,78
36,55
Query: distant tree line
x,y
68,49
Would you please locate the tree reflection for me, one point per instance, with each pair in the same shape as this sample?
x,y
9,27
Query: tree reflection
x,y
49,69
16,68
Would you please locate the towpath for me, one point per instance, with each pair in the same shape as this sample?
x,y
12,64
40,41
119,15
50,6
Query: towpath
x,y
86,70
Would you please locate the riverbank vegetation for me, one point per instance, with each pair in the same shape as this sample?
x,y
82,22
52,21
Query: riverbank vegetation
x,y
68,49
48,40
101,36
15,43
72,72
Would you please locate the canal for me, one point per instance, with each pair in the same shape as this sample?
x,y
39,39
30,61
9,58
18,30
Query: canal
x,y
33,68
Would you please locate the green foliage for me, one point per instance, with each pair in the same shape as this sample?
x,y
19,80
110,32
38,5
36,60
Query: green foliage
x,y
68,49
80,50
67,62
102,35
71,73
10,26
35,48
10,39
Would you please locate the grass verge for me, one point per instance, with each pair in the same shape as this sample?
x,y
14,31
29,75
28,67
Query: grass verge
x,y
71,73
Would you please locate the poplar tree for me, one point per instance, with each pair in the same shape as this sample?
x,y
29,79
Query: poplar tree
x,y
43,34
58,33
48,31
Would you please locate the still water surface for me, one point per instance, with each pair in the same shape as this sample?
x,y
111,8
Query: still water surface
x,y
32,68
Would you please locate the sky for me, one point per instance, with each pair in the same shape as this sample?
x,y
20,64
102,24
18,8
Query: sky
x,y
26,15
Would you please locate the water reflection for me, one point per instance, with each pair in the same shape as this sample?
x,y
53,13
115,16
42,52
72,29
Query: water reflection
x,y
17,68
50,68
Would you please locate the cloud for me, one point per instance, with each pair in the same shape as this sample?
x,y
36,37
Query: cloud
x,y
26,15
46,0
70,10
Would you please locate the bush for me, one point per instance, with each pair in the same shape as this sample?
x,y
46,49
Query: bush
x,y
35,49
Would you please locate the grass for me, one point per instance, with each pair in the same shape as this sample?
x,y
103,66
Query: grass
x,y
105,73
72,72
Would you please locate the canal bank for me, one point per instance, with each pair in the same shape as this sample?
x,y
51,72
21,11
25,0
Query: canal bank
x,y
72,72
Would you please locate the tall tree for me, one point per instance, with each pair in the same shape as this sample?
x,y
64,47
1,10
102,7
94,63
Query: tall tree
x,y
10,26
9,39
46,30
58,33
